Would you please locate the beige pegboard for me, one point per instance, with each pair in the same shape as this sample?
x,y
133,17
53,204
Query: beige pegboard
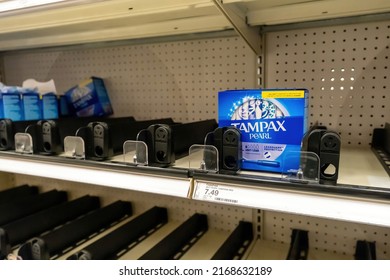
x,y
334,237
345,68
173,79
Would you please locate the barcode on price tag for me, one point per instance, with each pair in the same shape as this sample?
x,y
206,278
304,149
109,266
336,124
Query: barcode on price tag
x,y
215,192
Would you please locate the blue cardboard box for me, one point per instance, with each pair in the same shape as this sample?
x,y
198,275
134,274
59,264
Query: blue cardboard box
x,y
272,124
89,98
11,106
32,106
50,106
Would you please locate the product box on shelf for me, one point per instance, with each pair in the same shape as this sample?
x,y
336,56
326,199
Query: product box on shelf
x,y
89,98
272,124
50,104
11,106
32,108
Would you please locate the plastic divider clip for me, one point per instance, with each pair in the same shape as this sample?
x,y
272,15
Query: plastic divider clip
x,y
74,147
203,158
24,143
135,152
308,170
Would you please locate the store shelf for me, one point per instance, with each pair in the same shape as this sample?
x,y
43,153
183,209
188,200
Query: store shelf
x,y
104,21
203,249
362,167
173,184
285,11
262,196
363,196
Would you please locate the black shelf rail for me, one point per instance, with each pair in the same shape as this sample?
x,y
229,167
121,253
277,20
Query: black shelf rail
x,y
127,236
74,233
365,250
179,241
24,206
237,243
299,245
32,225
10,194
381,146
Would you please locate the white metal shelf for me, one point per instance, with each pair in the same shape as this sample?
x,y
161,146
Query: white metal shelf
x,y
98,176
121,20
345,208
253,192
358,168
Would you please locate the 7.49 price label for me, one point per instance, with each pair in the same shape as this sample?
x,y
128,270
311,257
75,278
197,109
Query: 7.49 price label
x,y
214,192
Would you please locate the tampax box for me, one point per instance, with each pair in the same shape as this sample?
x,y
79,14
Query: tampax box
x,y
272,124
89,98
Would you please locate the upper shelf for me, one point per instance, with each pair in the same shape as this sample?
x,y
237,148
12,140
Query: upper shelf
x,y
102,21
152,180
362,195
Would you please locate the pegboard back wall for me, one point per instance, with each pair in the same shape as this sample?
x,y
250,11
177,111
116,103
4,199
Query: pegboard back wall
x,y
174,79
332,236
345,68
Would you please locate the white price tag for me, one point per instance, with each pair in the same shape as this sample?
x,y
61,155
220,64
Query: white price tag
x,y
215,192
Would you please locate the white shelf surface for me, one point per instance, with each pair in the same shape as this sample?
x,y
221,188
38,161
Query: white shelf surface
x,y
361,167
301,203
358,167
98,176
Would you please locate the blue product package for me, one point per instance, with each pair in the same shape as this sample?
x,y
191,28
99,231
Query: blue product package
x,y
50,106
89,98
12,106
32,106
1,106
272,124
64,108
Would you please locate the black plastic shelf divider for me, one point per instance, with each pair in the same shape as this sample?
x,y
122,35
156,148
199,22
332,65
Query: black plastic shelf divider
x,y
21,230
174,245
29,205
10,194
55,242
381,146
299,246
237,243
365,250
119,240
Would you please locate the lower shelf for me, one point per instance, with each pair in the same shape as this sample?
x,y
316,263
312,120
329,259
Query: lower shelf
x,y
205,247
